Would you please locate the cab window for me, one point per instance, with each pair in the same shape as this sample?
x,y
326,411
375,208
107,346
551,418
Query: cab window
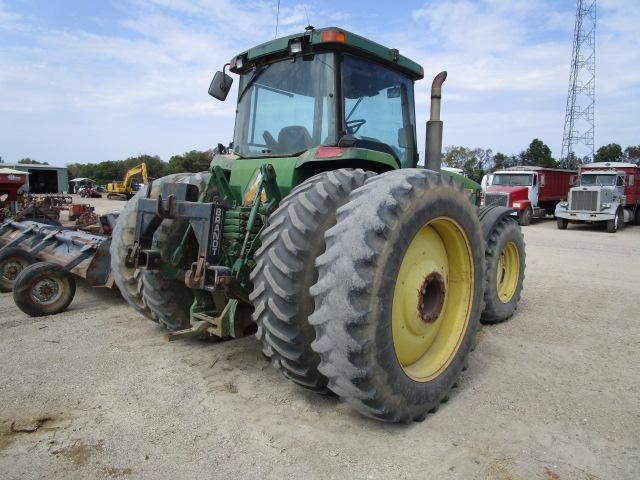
x,y
378,108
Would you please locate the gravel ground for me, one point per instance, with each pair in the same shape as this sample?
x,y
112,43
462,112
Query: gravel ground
x,y
552,394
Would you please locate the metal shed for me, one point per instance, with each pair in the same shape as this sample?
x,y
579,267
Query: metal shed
x,y
42,178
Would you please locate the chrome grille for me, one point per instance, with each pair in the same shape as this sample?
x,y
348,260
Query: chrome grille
x,y
494,198
583,201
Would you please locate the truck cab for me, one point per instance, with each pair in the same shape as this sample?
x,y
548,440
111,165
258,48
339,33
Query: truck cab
x,y
607,192
529,190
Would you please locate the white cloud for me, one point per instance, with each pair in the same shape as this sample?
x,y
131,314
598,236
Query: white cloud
x,y
508,64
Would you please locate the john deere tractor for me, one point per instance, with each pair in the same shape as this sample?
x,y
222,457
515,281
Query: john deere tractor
x,y
360,272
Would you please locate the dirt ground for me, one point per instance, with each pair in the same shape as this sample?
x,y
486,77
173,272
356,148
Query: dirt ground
x,y
97,391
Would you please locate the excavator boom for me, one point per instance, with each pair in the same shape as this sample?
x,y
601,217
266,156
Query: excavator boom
x,y
123,190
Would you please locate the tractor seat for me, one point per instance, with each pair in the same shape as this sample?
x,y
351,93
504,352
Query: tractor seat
x,y
293,139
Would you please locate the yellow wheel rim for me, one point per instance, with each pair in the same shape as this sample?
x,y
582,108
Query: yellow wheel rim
x,y
432,299
508,272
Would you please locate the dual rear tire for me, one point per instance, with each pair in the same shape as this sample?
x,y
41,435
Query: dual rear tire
x,y
398,296
164,300
285,272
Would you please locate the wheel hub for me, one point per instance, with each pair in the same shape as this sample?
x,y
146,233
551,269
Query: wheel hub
x,y
431,297
46,291
11,269
508,272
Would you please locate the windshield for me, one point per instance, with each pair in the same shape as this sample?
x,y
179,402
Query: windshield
x,y
602,180
513,179
286,107
379,109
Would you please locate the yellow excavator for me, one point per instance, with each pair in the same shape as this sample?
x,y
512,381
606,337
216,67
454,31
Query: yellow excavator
x,y
124,190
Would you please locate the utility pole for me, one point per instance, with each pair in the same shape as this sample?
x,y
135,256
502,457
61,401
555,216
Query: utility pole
x,y
579,118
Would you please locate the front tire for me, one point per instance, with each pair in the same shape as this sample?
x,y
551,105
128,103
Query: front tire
x,y
399,294
562,223
505,266
525,216
616,223
285,270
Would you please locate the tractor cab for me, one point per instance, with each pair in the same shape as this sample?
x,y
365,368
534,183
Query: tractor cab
x,y
326,88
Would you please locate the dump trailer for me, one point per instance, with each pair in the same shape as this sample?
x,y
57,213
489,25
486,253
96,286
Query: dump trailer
x,y
38,263
124,190
360,273
609,193
532,192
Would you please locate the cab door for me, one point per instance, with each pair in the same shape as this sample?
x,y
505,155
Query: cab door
x,y
533,190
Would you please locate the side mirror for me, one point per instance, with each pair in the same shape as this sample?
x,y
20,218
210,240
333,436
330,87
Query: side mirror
x,y
220,86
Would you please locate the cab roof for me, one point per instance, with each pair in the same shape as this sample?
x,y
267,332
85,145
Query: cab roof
x,y
336,39
609,165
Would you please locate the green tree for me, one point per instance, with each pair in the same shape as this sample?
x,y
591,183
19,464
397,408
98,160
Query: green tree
x,y
156,167
609,153
474,162
538,154
115,170
30,161
502,161
193,161
632,154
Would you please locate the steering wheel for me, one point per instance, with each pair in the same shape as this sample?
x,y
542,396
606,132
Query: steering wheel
x,y
354,125
269,140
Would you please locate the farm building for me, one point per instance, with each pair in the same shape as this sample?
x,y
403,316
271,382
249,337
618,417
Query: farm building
x,y
42,178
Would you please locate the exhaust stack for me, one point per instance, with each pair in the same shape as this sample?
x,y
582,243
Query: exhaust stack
x,y
433,142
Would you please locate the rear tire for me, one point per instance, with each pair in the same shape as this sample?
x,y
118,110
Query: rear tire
x,y
406,251
127,279
505,266
13,260
44,289
168,299
285,270
562,223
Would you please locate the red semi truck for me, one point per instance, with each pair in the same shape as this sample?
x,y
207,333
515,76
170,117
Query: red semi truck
x,y
530,191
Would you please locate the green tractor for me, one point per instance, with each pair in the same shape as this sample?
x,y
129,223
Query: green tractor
x,y
361,273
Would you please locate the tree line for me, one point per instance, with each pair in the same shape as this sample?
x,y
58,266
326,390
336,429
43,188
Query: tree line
x,y
108,171
476,162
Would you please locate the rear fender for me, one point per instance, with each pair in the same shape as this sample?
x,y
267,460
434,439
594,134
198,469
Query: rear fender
x,y
325,158
490,216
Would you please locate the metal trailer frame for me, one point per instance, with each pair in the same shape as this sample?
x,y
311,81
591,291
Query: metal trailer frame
x,y
83,254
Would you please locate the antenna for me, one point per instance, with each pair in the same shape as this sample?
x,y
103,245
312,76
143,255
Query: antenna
x,y
307,14
277,19
579,117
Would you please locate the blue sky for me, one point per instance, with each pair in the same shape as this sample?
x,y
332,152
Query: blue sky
x,y
86,81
